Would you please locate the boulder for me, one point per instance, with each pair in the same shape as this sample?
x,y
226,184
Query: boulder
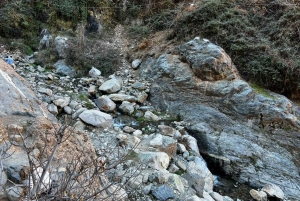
x,y
273,191
94,72
20,104
138,85
127,107
149,115
208,61
111,86
62,102
167,130
52,109
258,195
61,44
104,103
97,118
122,97
199,167
163,193
155,160
63,69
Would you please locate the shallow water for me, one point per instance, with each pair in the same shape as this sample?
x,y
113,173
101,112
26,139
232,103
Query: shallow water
x,y
233,189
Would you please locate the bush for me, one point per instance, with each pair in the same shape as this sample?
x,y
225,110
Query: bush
x,y
94,54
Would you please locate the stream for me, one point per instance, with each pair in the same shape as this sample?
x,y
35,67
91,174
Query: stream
x,y
223,184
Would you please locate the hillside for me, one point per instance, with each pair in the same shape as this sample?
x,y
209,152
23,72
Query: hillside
x,y
175,96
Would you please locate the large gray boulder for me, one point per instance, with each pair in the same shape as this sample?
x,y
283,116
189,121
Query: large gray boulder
x,y
97,118
63,69
111,86
61,44
208,61
252,137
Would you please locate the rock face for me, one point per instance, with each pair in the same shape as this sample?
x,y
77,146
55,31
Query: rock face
x,y
250,136
18,102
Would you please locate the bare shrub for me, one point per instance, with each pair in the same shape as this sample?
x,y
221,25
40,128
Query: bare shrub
x,y
64,166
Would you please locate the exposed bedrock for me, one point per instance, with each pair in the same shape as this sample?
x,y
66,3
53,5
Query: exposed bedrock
x,y
253,137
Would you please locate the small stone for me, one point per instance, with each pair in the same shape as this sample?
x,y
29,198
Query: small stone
x,y
137,133
147,189
151,116
145,177
163,193
173,168
258,195
185,154
180,148
68,110
157,141
181,165
128,129
94,72
135,63
52,109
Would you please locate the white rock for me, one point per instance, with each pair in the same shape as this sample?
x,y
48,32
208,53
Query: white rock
x,y
155,160
92,89
157,141
191,144
207,197
199,166
195,198
216,196
137,133
135,63
127,107
62,102
258,195
94,72
97,118
150,115
181,148
111,86
273,191
122,97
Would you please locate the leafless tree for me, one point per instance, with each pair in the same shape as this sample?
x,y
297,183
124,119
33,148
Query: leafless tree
x,y
62,167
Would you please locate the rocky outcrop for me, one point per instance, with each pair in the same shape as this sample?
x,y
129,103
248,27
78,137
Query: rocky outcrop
x,y
18,102
251,136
